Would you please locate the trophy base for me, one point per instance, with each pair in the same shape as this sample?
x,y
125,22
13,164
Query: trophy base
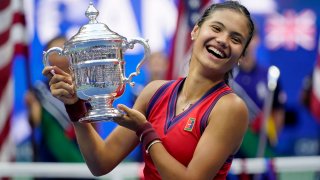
x,y
107,114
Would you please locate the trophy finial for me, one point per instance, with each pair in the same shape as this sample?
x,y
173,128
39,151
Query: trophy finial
x,y
92,13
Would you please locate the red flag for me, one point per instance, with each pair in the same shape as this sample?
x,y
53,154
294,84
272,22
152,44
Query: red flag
x,y
11,44
188,13
315,92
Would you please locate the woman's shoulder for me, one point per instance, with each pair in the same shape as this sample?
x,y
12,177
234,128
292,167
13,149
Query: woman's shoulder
x,y
229,121
153,86
147,93
232,102
232,107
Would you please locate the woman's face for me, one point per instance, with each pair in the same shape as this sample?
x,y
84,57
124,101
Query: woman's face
x,y
219,42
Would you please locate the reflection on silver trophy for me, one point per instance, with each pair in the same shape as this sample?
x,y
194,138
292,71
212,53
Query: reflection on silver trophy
x,y
96,62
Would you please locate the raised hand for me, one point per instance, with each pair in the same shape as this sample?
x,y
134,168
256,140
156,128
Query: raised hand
x,y
61,84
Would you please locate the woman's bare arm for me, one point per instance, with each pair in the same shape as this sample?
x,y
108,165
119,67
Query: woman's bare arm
x,y
100,155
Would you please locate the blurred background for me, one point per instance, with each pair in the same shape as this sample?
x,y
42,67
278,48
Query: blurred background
x,y
288,32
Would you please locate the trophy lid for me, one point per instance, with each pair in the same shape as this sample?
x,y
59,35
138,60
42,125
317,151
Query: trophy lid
x,y
94,30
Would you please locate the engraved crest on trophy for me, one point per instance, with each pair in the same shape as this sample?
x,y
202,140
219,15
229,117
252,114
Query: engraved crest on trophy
x,y
96,61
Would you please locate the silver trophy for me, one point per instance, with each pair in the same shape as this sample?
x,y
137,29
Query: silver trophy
x,y
97,65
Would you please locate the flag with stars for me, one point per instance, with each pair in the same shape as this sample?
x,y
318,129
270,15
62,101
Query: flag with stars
x,y
189,12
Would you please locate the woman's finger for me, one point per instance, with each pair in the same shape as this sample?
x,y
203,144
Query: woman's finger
x,y
62,85
57,70
60,78
60,92
132,114
64,96
124,108
47,72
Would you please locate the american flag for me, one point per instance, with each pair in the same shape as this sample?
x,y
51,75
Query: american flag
x,y
291,30
12,43
315,93
188,13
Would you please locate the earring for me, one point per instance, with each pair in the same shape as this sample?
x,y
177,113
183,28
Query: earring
x,y
238,63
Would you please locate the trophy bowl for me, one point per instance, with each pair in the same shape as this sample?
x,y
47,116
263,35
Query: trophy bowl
x,y
97,66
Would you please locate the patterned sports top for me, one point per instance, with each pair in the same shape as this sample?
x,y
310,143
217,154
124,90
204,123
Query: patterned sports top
x,y
181,133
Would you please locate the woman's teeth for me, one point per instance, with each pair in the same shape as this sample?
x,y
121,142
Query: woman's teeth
x,y
216,52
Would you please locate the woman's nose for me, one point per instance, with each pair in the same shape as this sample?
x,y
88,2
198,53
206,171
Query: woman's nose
x,y
222,40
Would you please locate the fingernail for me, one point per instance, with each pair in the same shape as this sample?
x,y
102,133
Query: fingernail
x,y
52,72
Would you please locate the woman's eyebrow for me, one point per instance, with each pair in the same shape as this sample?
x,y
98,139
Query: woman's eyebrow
x,y
218,22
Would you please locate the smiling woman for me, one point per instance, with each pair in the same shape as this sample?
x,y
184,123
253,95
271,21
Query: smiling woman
x,y
197,142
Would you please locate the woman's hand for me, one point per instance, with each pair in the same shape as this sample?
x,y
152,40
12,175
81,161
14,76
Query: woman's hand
x,y
61,84
132,119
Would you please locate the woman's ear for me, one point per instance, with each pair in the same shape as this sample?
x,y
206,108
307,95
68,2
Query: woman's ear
x,y
194,32
240,60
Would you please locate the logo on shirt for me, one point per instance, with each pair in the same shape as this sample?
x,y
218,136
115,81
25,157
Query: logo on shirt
x,y
190,124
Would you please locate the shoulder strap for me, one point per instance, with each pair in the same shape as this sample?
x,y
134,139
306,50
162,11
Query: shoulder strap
x,y
157,95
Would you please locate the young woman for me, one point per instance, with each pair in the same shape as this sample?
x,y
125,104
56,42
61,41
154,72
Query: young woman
x,y
190,127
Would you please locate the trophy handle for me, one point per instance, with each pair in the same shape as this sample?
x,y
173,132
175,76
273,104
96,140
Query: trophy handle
x,y
146,47
46,54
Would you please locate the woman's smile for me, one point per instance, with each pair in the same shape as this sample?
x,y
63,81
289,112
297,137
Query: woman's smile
x,y
216,52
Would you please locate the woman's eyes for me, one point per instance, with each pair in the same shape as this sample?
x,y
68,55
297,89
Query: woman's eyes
x,y
236,40
216,28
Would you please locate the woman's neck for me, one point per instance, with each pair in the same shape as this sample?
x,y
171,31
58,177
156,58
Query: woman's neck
x,y
195,87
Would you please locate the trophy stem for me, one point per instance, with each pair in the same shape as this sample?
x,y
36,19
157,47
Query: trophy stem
x,y
101,109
